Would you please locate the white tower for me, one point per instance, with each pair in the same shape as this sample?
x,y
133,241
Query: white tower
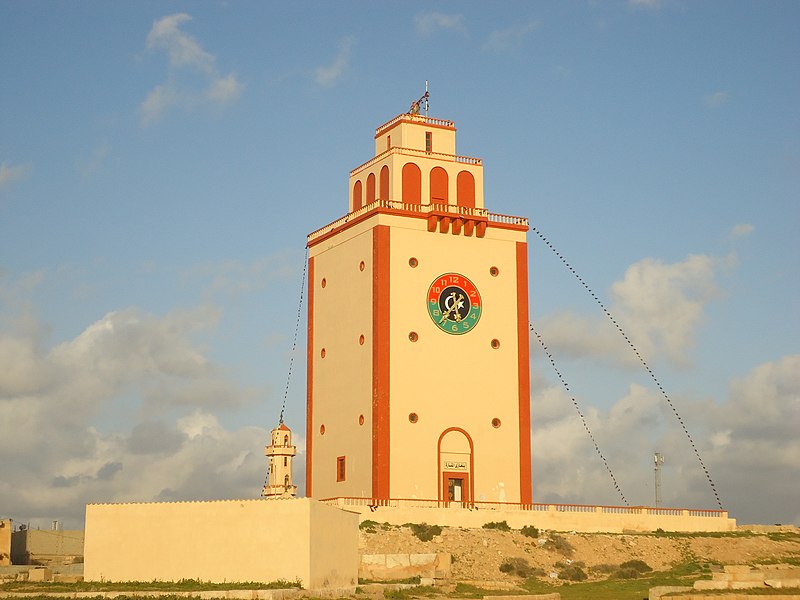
x,y
279,474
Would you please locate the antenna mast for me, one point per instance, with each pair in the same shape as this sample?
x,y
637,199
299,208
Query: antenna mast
x,y
658,459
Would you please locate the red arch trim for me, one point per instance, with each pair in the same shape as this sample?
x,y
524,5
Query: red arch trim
x,y
471,462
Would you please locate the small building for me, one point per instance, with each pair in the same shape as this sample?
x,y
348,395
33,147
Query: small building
x,y
46,546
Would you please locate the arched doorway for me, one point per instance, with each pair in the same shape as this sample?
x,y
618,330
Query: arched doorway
x,y
455,454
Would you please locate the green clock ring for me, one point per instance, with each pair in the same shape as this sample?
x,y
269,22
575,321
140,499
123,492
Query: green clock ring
x,y
454,303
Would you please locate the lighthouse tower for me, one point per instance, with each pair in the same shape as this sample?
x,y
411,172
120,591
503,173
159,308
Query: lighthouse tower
x,y
279,475
418,359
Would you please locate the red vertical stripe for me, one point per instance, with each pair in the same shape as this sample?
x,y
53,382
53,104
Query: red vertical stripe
x,y
523,357
380,362
310,378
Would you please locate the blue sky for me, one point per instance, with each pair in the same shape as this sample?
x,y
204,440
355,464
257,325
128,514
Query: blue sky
x,y
162,162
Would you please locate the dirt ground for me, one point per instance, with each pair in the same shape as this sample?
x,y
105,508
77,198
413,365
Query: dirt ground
x,y
478,553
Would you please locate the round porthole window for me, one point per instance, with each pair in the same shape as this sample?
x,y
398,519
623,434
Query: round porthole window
x,y
413,418
496,423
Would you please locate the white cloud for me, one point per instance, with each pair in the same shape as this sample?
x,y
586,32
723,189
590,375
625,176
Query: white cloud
x,y
742,230
158,100
185,54
10,174
511,38
224,89
658,305
429,23
183,49
150,375
328,76
748,442
716,99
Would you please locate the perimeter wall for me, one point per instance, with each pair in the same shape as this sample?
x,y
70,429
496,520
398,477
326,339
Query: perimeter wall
x,y
556,517
223,541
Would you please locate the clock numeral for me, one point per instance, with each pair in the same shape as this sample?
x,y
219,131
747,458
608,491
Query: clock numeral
x,y
437,313
454,328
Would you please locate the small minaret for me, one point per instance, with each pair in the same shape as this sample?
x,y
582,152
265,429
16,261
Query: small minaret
x,y
279,474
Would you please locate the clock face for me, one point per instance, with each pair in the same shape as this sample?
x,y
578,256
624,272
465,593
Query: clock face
x,y
454,303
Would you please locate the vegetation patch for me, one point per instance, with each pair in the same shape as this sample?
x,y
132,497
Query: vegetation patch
x,y
424,532
573,572
500,525
559,544
530,531
520,568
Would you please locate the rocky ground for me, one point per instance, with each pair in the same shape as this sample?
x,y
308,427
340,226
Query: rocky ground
x,y
478,554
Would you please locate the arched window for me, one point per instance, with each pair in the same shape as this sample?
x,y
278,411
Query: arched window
x,y
357,195
384,183
286,481
286,440
412,184
285,461
371,188
465,187
438,186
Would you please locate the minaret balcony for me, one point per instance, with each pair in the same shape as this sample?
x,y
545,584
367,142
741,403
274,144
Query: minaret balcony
x,y
280,450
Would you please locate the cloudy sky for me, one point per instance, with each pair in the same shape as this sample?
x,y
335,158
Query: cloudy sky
x,y
162,162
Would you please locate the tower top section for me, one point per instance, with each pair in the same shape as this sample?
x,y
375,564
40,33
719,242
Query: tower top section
x,y
407,131
417,173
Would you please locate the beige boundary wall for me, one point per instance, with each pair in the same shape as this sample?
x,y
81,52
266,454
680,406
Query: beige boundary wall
x,y
223,541
556,517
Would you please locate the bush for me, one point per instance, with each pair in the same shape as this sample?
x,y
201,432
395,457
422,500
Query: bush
x,y
368,525
559,544
501,525
530,531
425,532
520,568
572,573
637,565
626,573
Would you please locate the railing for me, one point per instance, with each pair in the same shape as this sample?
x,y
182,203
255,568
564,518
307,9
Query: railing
x,y
467,160
420,209
416,118
375,503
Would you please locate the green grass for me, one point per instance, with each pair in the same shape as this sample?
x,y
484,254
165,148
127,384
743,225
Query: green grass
x,y
617,589
421,591
408,580
184,585
467,590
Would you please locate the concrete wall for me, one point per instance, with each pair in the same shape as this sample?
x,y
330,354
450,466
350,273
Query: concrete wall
x,y
388,567
46,546
228,540
596,520
5,542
